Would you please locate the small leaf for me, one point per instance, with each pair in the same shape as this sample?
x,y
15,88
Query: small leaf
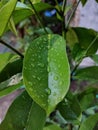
x,y
89,123
4,59
35,1
87,97
13,67
5,14
23,11
36,118
83,2
52,127
88,73
6,88
46,71
17,114
70,111
95,58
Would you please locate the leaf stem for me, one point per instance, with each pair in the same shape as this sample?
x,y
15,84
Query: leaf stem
x,y
10,47
64,5
68,22
38,17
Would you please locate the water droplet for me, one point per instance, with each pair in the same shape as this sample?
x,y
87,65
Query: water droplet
x,y
41,65
33,65
48,68
34,76
56,78
39,78
48,91
30,83
61,82
48,59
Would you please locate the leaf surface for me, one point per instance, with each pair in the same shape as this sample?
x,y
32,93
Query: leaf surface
x,y
46,71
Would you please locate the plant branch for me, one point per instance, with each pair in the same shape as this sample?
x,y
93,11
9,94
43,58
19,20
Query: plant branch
x,y
68,22
64,5
38,17
10,47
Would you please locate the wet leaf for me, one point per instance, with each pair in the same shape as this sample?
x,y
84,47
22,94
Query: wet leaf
x,y
46,71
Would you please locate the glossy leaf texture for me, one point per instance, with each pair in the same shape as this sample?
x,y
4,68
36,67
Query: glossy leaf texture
x,y
88,73
89,123
5,14
36,118
52,127
46,71
17,115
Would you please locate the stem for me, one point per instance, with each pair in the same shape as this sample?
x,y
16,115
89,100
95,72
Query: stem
x,y
38,17
64,5
10,47
72,14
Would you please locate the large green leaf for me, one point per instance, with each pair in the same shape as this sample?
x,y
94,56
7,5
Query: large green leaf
x,y
46,71
89,123
95,58
5,14
35,1
52,127
17,114
88,73
36,118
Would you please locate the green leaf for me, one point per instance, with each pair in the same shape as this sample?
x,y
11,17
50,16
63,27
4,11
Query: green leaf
x,y
12,27
36,118
88,73
71,38
83,2
97,1
52,127
87,97
46,71
13,67
6,88
35,1
89,123
70,108
4,59
86,37
23,11
95,58
17,114
5,14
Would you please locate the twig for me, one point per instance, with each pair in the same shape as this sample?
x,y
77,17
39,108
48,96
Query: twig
x,y
68,22
38,17
10,47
